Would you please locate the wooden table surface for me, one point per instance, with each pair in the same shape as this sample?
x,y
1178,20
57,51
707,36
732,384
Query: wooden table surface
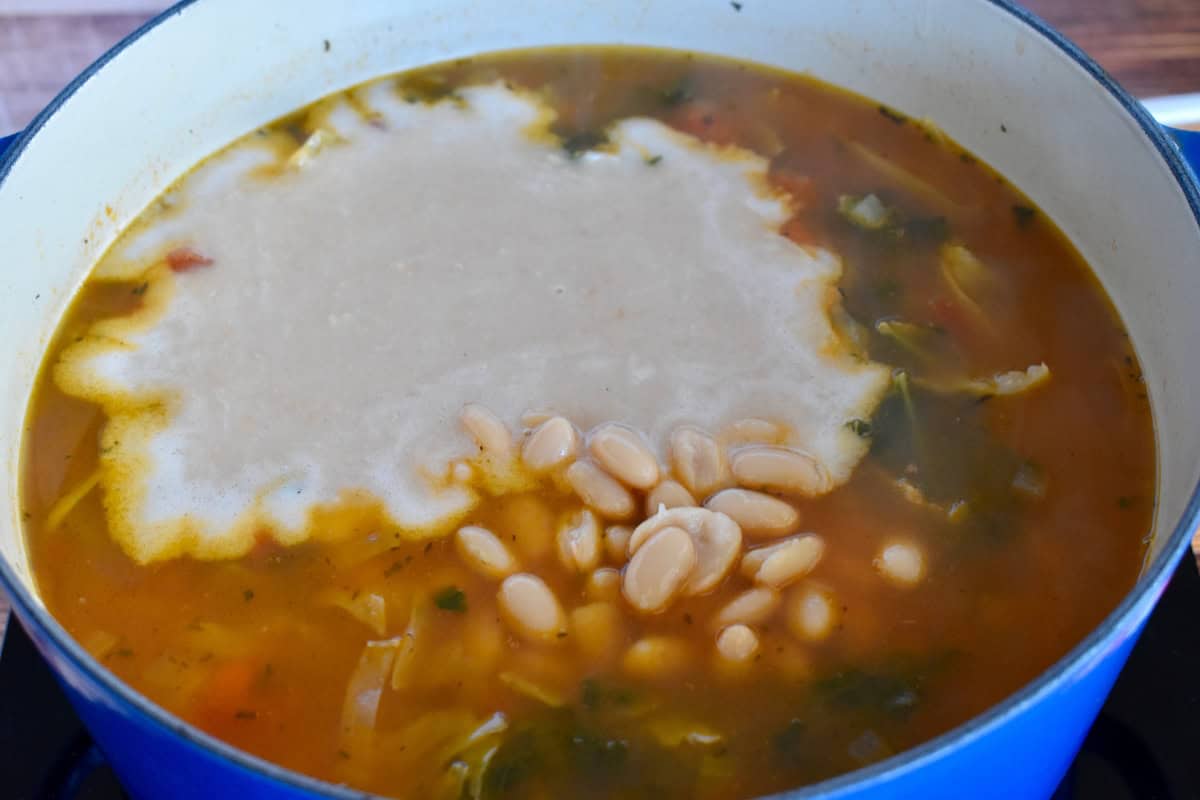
x,y
1151,46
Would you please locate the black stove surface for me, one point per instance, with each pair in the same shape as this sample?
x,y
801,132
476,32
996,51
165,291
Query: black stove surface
x,y
1144,746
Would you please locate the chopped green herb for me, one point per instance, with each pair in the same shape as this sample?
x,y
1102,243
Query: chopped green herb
x,y
677,95
1126,501
576,144
428,89
140,289
789,742
860,428
397,566
517,760
451,598
653,161
855,688
894,116
595,696
595,756
1024,215
247,595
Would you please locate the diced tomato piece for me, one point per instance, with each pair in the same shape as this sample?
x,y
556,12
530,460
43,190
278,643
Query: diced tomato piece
x,y
949,315
702,121
798,231
802,189
229,688
182,259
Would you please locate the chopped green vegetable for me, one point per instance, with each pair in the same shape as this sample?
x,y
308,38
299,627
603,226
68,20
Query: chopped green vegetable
x,y
428,89
592,755
576,144
677,95
894,116
597,696
855,688
653,161
451,598
968,466
860,428
790,741
1024,215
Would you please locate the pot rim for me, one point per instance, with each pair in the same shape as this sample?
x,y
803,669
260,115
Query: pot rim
x,y
1150,583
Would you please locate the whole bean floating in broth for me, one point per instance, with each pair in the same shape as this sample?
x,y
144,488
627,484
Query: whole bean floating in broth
x,y
587,423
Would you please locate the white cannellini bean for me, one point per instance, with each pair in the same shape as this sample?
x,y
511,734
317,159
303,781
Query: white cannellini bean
x,y
737,643
698,461
604,584
657,657
492,435
757,514
811,613
551,444
780,469
536,416
716,537
531,609
751,607
616,543
786,561
668,494
902,563
600,490
718,544
484,552
658,570
621,452
579,542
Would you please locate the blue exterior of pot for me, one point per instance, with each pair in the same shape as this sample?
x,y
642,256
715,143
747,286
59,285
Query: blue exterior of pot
x,y
1019,749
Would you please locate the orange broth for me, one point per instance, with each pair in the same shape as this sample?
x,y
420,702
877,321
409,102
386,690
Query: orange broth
x,y
259,651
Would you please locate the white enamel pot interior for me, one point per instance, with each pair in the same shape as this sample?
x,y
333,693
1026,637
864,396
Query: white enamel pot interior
x,y
211,70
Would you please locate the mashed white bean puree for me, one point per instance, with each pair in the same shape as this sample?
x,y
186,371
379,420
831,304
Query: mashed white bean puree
x,y
418,257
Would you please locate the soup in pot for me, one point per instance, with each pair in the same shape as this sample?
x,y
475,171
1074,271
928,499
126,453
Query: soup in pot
x,y
587,423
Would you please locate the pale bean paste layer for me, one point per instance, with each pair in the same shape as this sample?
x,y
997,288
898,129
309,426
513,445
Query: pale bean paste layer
x,y
413,258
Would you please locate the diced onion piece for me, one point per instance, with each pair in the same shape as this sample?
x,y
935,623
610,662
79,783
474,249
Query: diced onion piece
x,y
522,685
368,608
361,706
1003,384
867,212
